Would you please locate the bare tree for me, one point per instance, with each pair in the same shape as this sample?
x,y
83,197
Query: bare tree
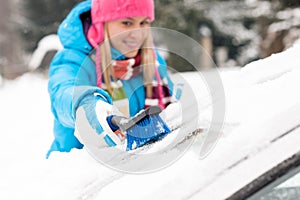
x,y
10,41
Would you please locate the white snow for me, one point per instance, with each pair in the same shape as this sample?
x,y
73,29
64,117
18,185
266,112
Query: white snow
x,y
254,95
46,44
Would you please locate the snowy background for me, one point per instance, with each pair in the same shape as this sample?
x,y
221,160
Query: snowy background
x,y
253,94
252,29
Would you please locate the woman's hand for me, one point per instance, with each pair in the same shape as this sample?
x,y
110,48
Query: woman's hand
x,y
91,124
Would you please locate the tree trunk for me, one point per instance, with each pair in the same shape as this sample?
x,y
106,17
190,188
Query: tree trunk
x,y
10,41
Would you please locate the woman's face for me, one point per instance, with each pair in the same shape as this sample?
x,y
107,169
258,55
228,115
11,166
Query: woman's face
x,y
128,35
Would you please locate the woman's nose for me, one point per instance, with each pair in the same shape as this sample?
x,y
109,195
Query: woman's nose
x,y
136,32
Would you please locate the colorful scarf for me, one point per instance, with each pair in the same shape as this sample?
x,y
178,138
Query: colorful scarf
x,y
127,69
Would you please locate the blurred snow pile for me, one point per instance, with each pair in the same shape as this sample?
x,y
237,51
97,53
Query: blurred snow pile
x,y
45,45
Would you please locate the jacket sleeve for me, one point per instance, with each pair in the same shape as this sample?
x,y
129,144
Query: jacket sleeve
x,y
72,76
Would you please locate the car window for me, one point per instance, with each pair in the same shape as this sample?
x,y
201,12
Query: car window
x,y
285,188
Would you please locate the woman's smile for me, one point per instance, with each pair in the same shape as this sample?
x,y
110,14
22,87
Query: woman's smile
x,y
128,35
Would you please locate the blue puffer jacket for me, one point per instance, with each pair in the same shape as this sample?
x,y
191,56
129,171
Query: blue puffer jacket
x,y
72,76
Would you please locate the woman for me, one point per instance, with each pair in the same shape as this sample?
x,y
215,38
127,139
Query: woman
x,y
124,69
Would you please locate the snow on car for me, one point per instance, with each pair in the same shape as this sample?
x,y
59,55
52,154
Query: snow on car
x,y
256,154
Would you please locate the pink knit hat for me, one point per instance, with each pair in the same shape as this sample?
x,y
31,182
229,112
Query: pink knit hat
x,y
108,10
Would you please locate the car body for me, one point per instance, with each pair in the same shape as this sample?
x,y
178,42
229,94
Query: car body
x,y
262,166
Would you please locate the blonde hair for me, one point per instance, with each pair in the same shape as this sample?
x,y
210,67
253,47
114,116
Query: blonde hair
x,y
148,61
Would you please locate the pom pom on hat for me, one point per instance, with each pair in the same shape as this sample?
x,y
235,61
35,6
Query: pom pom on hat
x,y
107,10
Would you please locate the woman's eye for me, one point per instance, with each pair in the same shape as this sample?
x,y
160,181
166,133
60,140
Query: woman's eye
x,y
145,23
126,23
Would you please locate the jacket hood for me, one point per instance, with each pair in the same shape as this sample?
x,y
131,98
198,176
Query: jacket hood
x,y
70,31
